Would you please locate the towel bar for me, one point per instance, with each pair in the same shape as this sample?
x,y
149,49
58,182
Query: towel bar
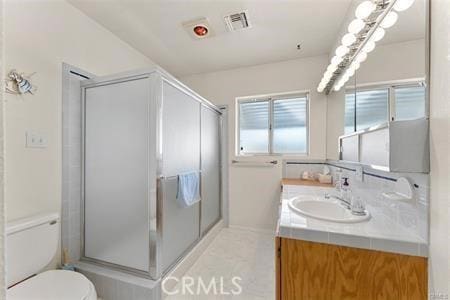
x,y
272,162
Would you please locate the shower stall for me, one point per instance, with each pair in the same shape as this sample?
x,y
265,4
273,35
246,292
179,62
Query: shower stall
x,y
140,131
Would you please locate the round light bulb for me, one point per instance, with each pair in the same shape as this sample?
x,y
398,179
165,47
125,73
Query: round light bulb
x,y
389,20
342,50
369,47
345,77
356,26
377,35
336,60
362,56
365,9
402,5
320,89
331,68
350,72
348,39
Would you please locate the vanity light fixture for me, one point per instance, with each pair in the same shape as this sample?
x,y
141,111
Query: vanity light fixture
x,y
368,28
402,5
389,20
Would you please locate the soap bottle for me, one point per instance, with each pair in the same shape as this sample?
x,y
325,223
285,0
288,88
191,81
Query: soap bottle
x,y
345,190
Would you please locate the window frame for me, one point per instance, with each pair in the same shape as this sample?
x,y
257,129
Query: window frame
x,y
390,86
271,98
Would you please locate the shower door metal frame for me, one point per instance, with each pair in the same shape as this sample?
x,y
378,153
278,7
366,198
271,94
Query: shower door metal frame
x,y
166,78
153,272
156,78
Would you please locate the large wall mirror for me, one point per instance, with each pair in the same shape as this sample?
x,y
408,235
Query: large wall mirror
x,y
390,84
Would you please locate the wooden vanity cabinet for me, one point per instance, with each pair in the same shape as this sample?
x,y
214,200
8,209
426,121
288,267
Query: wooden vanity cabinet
x,y
309,270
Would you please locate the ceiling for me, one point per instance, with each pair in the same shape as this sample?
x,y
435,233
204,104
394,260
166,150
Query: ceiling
x,y
154,27
410,25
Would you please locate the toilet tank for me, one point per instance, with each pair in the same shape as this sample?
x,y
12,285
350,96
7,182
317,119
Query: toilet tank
x,y
31,244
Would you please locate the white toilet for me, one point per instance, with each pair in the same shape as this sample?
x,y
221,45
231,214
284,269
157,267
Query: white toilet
x,y
31,244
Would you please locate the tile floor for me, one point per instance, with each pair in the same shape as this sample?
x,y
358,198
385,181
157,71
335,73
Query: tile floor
x,y
234,252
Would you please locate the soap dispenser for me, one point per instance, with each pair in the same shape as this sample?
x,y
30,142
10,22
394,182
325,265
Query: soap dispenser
x,y
345,190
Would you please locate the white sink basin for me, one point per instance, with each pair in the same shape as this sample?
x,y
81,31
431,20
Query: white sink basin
x,y
324,209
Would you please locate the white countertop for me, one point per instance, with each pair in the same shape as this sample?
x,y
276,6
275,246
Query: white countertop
x,y
378,233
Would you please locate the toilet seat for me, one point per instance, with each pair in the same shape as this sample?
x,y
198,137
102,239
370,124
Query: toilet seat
x,y
54,285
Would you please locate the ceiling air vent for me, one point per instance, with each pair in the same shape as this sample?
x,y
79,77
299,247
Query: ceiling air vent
x,y
237,21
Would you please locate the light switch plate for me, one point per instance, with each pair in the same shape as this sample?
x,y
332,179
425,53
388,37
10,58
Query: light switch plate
x,y
359,173
35,140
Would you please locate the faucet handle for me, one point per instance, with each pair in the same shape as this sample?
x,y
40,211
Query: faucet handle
x,y
357,206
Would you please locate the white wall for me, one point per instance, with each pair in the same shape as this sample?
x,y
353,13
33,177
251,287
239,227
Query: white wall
x,y
2,202
439,142
39,36
386,63
254,191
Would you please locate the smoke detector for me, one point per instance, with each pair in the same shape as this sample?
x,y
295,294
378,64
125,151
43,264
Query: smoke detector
x,y
198,28
237,21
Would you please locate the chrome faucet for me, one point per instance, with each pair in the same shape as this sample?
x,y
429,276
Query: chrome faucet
x,y
343,201
357,207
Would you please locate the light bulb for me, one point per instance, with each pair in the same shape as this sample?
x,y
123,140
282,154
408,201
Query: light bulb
x,y
348,39
331,68
356,26
362,56
350,72
342,50
389,20
337,87
320,89
328,74
369,47
402,5
345,77
365,9
377,35
336,60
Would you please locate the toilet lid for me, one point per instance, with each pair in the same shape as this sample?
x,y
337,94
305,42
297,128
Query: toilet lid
x,y
53,285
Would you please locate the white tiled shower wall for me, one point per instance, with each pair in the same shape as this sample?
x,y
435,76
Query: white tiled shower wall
x,y
413,216
71,163
2,203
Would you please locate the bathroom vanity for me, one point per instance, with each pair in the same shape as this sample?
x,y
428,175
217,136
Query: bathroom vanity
x,y
318,259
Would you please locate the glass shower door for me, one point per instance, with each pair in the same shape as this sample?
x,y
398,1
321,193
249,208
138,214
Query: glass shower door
x,y
180,153
210,161
116,173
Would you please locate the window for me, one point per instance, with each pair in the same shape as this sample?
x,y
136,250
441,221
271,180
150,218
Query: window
x,y
378,105
254,126
409,102
276,125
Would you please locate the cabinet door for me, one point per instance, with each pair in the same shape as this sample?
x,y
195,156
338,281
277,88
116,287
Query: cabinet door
x,y
210,149
321,271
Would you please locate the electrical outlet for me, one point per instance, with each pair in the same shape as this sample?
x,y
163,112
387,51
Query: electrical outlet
x,y
359,173
35,140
